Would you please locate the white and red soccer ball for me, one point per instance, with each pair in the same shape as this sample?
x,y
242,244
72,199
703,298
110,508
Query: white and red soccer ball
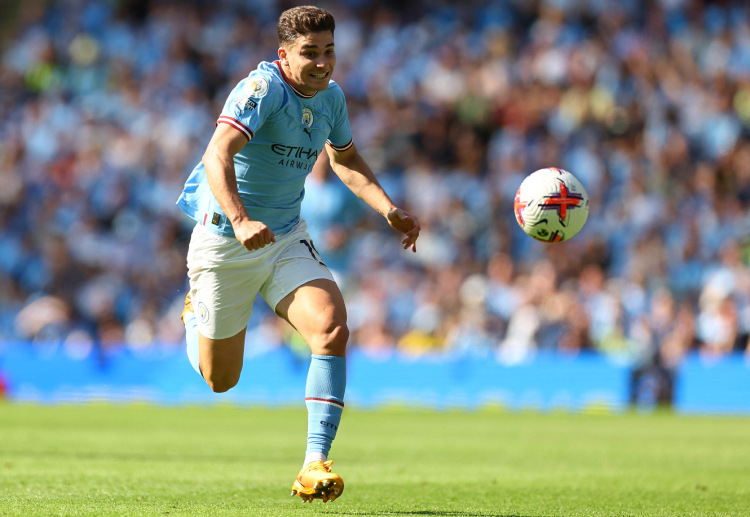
x,y
551,205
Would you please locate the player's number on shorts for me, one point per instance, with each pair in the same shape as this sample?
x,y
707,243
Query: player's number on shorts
x,y
313,251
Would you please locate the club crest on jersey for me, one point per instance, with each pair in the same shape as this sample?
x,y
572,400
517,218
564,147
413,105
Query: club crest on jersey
x,y
258,87
307,117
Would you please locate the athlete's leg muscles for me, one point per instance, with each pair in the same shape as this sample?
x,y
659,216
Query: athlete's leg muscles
x,y
221,360
218,361
317,311
224,280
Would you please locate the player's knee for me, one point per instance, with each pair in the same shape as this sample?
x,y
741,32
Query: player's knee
x,y
221,383
332,340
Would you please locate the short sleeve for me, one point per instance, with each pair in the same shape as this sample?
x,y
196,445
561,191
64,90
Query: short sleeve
x,y
251,102
340,137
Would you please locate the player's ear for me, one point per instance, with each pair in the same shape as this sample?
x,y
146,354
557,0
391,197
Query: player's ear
x,y
282,54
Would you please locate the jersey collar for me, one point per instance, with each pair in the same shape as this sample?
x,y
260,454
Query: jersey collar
x,y
295,90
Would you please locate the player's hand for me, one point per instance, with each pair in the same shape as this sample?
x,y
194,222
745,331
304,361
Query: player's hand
x,y
254,234
407,224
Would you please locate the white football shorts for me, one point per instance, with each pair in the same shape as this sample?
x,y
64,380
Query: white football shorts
x,y
225,277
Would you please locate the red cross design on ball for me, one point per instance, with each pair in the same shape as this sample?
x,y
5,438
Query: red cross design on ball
x,y
562,201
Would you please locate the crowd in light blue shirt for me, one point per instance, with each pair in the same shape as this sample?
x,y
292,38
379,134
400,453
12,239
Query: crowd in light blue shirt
x,y
104,111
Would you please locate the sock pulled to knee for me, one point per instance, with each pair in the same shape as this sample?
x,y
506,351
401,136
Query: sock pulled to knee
x,y
324,398
191,337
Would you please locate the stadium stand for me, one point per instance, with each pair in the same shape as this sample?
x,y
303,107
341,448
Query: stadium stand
x,y
106,106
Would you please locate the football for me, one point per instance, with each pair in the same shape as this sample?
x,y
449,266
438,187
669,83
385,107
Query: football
x,y
551,205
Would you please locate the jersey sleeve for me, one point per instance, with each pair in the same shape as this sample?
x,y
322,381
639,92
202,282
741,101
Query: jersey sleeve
x,y
340,138
250,104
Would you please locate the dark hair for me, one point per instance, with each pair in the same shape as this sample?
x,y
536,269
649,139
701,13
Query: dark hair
x,y
303,20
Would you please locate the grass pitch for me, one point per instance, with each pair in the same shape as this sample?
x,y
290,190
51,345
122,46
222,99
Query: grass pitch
x,y
103,460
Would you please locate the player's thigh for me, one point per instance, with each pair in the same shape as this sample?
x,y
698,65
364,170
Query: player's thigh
x,y
224,281
317,310
221,360
302,290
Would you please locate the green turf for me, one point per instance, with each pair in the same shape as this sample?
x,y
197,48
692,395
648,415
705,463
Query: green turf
x,y
140,460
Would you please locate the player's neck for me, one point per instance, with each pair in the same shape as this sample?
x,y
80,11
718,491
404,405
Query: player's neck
x,y
300,90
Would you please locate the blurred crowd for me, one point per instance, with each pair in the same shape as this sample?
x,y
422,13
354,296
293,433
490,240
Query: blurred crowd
x,y
106,105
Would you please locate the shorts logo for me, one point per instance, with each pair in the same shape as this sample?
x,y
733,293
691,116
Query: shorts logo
x,y
307,117
203,312
258,87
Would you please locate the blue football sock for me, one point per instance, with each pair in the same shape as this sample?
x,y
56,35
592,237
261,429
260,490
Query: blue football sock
x,y
324,398
191,336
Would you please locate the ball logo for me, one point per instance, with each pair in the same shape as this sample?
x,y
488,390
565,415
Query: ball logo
x,y
258,87
551,205
307,117
203,314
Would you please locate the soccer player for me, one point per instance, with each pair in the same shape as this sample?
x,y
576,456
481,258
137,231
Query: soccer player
x,y
245,196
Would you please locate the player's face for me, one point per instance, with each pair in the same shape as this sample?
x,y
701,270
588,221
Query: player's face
x,y
309,62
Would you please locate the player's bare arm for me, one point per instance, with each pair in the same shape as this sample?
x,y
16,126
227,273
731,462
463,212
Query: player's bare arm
x,y
218,160
352,169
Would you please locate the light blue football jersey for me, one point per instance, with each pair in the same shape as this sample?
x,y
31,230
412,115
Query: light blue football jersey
x,y
286,132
